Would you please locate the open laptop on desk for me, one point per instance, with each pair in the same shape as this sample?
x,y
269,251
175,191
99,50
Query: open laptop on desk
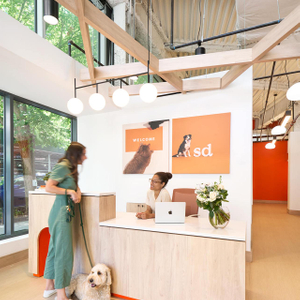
x,y
170,212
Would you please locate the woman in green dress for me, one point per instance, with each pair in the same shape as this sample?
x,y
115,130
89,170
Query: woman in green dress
x,y
63,182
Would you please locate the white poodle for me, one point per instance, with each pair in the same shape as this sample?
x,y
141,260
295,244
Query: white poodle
x,y
95,286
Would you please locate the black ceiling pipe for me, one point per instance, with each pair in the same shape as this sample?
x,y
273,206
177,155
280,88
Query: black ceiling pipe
x,y
270,84
172,47
277,75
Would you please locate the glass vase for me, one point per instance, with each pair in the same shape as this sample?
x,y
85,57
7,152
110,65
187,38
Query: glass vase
x,y
220,217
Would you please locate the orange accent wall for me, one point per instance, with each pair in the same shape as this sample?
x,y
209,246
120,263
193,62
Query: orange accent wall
x,y
44,239
270,172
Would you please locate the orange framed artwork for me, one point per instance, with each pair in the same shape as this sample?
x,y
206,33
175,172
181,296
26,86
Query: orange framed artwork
x,y
201,145
146,147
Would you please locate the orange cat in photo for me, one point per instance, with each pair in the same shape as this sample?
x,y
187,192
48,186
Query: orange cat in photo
x,y
140,160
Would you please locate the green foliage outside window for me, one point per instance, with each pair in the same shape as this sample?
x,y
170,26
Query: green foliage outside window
x,y
21,10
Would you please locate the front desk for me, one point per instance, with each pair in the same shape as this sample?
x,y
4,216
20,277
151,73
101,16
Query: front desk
x,y
174,262
150,261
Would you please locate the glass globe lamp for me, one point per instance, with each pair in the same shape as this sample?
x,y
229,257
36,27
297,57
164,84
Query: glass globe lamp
x,y
75,106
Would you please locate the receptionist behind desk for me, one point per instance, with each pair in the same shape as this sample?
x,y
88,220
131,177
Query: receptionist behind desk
x,y
157,193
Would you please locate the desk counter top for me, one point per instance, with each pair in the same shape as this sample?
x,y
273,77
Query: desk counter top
x,y
235,230
97,194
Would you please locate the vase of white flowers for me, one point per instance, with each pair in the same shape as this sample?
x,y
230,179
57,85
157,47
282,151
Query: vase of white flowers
x,y
210,197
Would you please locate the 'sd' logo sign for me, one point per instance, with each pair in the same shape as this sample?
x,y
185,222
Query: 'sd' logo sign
x,y
201,145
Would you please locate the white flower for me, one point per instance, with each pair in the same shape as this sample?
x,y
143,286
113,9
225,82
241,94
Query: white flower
x,y
200,198
212,196
221,186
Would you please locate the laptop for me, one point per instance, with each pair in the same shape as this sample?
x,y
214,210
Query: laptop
x,y
170,212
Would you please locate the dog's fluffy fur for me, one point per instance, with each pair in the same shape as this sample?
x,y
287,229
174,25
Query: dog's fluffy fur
x,y
140,160
95,286
184,148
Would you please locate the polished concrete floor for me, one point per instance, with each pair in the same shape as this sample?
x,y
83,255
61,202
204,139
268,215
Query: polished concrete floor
x,y
274,273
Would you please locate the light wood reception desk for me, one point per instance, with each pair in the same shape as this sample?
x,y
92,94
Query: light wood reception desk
x,y
96,207
174,262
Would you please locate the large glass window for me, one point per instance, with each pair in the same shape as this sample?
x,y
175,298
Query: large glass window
x,y
40,139
2,229
35,138
21,10
67,29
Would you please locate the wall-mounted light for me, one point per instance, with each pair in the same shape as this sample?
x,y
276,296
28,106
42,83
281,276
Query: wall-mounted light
x,y
97,101
293,93
120,96
51,12
280,129
148,91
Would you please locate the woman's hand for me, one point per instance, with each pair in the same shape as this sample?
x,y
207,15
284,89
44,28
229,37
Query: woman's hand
x,y
74,196
144,215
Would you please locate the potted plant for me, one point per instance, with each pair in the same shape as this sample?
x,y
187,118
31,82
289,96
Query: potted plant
x,y
210,197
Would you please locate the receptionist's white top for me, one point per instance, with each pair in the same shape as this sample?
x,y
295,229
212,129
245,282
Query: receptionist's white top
x,y
163,196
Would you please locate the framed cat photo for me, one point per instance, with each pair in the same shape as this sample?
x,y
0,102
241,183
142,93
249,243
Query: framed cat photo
x,y
146,147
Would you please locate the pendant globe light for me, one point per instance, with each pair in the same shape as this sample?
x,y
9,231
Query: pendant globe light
x,y
51,12
97,101
148,91
75,106
293,93
120,96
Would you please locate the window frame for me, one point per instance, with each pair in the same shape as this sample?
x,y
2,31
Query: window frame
x,y
8,157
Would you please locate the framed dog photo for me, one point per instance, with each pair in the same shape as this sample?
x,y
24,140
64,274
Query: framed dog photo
x,y
146,147
201,145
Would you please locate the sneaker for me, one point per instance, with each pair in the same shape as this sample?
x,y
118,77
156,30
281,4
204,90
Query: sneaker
x,y
49,293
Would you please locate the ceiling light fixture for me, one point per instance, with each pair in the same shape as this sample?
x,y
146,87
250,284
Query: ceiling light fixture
x,y
200,50
148,91
293,93
97,101
280,129
272,145
51,12
75,106
120,96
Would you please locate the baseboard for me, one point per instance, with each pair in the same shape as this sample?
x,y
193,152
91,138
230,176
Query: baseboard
x,y
249,256
270,201
293,212
13,258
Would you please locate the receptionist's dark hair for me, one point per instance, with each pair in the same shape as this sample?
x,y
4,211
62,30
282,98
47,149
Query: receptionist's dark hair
x,y
164,177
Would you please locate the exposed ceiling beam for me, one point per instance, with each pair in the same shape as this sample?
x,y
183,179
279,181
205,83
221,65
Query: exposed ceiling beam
x,y
289,24
202,84
195,62
269,41
86,39
107,27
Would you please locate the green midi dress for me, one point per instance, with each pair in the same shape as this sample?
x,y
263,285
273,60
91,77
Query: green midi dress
x,y
59,263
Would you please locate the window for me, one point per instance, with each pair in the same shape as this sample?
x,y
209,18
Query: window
x,y
21,10
39,137
2,229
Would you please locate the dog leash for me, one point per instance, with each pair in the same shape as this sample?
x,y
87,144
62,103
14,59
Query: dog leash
x,y
81,224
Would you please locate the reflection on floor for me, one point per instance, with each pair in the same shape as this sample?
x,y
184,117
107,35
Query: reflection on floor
x,y
274,273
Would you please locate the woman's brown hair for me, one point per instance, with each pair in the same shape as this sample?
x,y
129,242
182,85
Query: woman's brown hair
x,y
164,177
73,155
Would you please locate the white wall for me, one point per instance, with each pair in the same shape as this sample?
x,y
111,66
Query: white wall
x,y
102,134
294,171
